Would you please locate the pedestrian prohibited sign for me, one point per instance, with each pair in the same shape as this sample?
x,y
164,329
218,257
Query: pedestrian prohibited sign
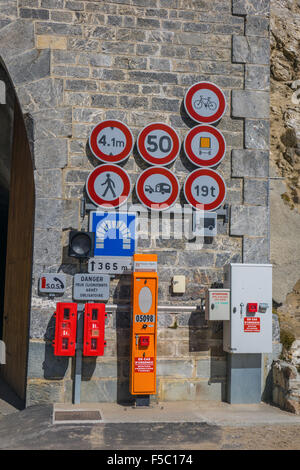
x,y
205,146
157,188
108,186
205,189
158,144
205,102
111,141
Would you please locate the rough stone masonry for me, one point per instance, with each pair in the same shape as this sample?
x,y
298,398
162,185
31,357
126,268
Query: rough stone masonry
x,y
75,63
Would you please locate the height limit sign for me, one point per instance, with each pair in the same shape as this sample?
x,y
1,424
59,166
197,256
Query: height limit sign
x,y
111,141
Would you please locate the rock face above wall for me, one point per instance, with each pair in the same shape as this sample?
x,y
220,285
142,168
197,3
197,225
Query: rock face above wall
x,y
285,152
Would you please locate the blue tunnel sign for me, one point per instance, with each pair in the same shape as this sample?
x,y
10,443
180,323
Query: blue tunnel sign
x,y
115,233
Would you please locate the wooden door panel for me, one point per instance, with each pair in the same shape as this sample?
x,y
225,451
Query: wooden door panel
x,y
18,259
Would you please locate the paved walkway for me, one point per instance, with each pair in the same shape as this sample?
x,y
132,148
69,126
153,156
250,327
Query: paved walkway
x,y
165,426
162,426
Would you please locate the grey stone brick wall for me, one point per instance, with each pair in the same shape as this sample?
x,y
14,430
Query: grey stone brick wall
x,y
75,63
251,104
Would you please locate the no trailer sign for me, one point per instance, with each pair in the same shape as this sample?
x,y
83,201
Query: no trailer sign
x,y
111,141
157,188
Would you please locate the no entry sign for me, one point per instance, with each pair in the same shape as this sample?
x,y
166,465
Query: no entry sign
x,y
111,141
205,102
205,146
108,186
205,189
158,144
157,188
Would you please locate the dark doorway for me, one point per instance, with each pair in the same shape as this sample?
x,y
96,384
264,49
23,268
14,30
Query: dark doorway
x,y
16,239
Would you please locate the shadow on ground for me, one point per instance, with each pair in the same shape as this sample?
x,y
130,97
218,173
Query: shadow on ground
x,y
32,428
9,401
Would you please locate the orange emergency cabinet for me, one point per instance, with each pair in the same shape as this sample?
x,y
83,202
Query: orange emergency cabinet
x,y
144,326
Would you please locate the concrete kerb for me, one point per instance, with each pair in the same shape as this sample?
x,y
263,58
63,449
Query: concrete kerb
x,y
213,413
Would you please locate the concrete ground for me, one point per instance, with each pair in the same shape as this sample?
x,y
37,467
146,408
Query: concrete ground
x,y
163,426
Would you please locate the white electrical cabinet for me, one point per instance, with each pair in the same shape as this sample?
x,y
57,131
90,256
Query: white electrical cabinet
x,y
217,304
249,329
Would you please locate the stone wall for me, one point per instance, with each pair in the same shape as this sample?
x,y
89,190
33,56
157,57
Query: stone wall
x,y
75,63
286,386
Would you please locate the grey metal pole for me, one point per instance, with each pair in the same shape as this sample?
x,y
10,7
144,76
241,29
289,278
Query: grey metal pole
x,y
78,355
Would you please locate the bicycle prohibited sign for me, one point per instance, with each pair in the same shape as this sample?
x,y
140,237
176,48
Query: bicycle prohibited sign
x,y
205,146
111,141
158,144
108,186
157,188
204,189
205,102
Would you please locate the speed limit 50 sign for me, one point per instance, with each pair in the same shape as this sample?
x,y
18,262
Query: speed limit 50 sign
x,y
158,144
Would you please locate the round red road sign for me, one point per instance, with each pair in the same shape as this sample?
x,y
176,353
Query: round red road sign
x,y
205,189
108,186
111,141
205,102
157,188
158,144
205,146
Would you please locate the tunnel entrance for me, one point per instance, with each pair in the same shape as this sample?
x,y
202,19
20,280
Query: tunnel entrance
x,y
16,239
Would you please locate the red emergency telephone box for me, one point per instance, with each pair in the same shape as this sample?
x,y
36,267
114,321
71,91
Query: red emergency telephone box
x,y
65,329
94,328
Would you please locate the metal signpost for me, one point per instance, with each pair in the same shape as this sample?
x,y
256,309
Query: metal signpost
x,y
158,144
157,188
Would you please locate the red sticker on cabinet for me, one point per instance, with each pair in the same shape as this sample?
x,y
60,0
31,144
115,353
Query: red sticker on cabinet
x,y
251,325
144,364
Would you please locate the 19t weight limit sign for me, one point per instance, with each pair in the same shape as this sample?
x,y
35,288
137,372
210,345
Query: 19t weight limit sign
x,y
205,189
